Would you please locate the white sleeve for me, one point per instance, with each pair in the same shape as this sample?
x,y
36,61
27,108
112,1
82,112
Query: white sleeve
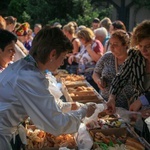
x,y
19,53
32,91
64,106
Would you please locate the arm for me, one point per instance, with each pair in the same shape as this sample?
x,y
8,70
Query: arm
x,y
144,100
97,74
147,96
76,46
95,56
71,58
111,109
41,106
97,80
68,106
95,50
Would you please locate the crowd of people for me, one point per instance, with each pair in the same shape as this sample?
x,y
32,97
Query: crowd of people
x,y
114,61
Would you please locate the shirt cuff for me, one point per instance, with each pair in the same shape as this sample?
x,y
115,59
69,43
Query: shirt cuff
x,y
143,100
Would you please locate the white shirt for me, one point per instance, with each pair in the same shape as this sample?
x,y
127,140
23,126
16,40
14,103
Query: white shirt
x,y
19,53
26,91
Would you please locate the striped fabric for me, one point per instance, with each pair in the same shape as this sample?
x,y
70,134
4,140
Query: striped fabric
x,y
133,69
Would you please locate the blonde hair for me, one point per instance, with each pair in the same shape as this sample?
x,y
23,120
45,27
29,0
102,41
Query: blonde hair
x,y
87,34
105,22
69,28
75,25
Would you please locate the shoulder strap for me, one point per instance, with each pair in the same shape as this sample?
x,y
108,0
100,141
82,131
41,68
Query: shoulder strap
x,y
116,65
107,46
73,40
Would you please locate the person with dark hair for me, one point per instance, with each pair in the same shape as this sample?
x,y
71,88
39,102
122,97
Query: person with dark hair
x,y
95,24
7,48
136,68
116,25
28,88
110,64
140,54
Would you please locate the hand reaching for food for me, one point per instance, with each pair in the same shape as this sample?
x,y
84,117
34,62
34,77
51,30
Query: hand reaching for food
x,y
90,108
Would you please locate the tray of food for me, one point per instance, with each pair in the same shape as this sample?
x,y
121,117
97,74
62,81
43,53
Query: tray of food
x,y
40,140
81,93
73,80
60,73
115,139
73,77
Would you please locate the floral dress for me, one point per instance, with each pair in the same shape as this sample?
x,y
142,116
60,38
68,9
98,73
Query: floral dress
x,y
105,67
86,64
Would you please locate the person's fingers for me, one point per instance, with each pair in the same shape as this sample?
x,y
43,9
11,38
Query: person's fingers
x,y
91,109
131,108
145,113
100,85
69,61
110,110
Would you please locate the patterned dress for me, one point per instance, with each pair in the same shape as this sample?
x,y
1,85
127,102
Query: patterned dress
x,y
86,64
133,69
105,67
85,61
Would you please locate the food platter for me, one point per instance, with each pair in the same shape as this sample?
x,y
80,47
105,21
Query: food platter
x,y
40,140
76,89
118,138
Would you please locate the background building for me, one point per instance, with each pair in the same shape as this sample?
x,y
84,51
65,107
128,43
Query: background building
x,y
129,11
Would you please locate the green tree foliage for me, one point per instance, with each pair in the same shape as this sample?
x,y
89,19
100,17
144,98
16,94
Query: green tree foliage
x,y
48,11
4,7
45,11
84,12
17,8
